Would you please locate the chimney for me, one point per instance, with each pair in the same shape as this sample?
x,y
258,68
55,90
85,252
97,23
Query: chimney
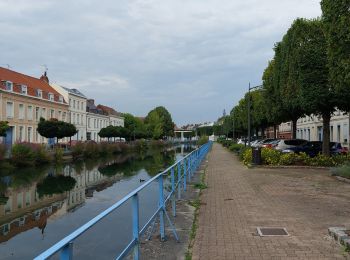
x,y
44,78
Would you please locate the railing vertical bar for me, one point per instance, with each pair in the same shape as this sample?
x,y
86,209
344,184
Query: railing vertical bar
x,y
67,252
161,204
179,180
173,191
135,225
185,174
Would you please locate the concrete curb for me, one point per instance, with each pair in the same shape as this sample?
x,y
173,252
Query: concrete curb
x,y
339,234
343,179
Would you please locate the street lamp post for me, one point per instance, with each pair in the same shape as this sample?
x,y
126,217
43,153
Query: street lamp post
x,y
249,89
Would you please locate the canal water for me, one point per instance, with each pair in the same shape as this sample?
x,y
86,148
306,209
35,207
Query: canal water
x,y
40,206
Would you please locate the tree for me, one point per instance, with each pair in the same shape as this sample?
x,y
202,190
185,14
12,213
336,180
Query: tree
x,y
107,132
308,62
159,123
135,127
336,20
4,126
55,129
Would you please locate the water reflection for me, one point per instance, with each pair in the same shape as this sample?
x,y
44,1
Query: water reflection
x,y
30,197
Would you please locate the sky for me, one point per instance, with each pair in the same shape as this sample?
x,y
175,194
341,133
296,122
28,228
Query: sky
x,y
195,57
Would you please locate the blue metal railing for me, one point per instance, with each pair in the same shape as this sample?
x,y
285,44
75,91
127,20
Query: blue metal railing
x,y
185,169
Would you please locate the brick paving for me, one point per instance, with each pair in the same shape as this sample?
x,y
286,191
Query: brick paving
x,y
304,201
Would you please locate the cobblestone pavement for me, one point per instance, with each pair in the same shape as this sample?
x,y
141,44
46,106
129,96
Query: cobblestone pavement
x,y
304,201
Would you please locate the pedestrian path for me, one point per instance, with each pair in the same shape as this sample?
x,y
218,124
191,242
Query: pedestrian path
x,y
238,200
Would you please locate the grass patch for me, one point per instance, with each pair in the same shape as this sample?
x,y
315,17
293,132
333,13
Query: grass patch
x,y
200,186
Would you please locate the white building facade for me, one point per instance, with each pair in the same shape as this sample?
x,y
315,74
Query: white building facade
x,y
76,110
310,128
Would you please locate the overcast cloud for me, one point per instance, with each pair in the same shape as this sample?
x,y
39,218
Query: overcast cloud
x,y
195,57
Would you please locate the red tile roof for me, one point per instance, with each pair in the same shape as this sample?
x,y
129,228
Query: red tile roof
x,y
33,84
108,110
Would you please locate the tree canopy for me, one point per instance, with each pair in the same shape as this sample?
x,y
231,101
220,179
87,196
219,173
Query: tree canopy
x,y
55,129
159,123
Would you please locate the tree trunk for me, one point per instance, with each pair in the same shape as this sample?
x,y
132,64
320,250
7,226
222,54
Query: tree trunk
x,y
294,128
275,131
326,136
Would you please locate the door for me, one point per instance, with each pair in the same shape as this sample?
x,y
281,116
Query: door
x,y
9,136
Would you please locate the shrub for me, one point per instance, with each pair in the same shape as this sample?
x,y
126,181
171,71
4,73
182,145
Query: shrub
x,y
236,147
58,154
41,154
141,145
288,159
246,156
22,154
105,148
343,171
322,160
91,150
2,151
203,140
270,156
77,150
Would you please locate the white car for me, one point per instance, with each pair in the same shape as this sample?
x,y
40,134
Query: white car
x,y
285,144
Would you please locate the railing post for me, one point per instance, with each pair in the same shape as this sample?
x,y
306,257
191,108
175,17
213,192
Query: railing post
x,y
135,225
185,173
179,180
67,252
173,191
161,212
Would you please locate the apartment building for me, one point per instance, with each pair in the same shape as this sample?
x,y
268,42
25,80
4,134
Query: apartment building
x,y
96,120
23,101
76,110
115,118
311,128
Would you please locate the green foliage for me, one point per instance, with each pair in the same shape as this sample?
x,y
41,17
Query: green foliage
x,y
55,129
135,127
77,150
91,150
22,154
159,123
2,151
336,20
270,156
58,154
42,155
4,126
237,148
203,140
343,171
246,156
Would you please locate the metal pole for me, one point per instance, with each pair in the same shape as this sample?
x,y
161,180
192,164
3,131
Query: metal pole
x,y
249,115
135,225
233,126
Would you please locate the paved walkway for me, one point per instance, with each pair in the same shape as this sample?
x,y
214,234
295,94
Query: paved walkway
x,y
305,202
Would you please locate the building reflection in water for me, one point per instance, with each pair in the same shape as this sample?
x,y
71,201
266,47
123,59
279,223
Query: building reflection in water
x,y
23,208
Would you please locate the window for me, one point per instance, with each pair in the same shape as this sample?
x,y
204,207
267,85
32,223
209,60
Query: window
x,y
37,113
60,99
39,93
52,113
9,86
9,109
51,97
78,119
82,106
73,103
43,113
89,125
30,113
70,103
59,115
24,89
64,115
20,111
29,133
21,134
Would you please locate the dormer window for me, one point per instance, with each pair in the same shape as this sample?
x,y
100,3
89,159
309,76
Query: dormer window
x,y
9,86
39,93
24,89
60,99
51,97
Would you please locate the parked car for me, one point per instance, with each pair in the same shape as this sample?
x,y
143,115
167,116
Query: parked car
x,y
286,144
255,143
242,141
314,148
271,144
266,142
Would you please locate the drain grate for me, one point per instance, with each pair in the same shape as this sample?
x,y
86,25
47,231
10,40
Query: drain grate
x,y
269,231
